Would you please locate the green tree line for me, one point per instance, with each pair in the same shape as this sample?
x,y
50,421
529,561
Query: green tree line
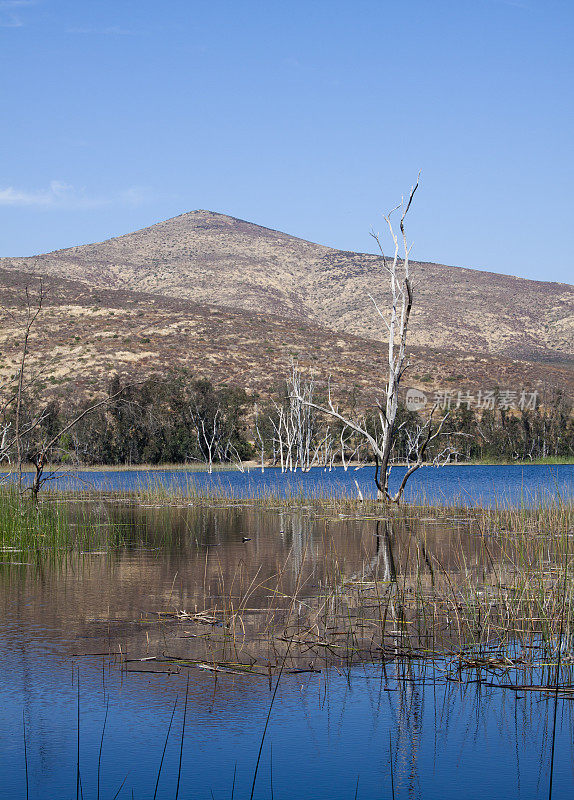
x,y
175,419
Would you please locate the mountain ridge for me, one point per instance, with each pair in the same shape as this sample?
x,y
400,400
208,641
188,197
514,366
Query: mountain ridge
x,y
86,334
232,265
266,228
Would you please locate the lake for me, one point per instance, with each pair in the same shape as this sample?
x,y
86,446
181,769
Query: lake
x,y
455,484
229,604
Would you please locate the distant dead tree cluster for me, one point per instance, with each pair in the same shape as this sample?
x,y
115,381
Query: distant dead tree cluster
x,y
294,424
298,436
213,418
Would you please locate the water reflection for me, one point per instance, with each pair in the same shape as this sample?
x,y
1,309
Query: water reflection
x,y
398,719
256,567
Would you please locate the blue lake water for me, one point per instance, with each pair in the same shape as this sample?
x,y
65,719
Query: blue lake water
x,y
456,484
439,741
372,730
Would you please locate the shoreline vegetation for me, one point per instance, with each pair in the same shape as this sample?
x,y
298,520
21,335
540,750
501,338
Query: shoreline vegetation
x,y
181,421
255,466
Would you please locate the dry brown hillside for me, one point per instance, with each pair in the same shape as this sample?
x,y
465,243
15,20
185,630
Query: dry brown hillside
x,y
226,262
86,334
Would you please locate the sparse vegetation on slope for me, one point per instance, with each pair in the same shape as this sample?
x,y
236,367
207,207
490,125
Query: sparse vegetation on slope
x,y
212,258
90,330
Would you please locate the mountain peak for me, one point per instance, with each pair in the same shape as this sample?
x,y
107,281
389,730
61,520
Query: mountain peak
x,y
214,258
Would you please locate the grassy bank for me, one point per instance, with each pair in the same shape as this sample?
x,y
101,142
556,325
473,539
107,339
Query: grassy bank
x,y
31,534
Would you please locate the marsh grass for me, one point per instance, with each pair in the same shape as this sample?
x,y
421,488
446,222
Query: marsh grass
x,y
503,617
26,530
499,614
51,529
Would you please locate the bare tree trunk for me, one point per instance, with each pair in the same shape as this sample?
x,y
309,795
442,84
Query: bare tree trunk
x,y
38,462
31,317
260,437
396,321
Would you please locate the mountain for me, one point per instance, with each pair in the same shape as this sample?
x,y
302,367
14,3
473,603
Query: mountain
x,y
222,295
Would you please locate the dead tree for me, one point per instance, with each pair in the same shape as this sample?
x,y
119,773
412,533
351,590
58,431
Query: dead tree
x,y
214,435
32,313
208,434
40,458
346,444
16,432
22,436
302,417
294,424
396,319
260,438
279,430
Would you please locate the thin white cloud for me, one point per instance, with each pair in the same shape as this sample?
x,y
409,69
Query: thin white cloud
x,y
60,195
10,16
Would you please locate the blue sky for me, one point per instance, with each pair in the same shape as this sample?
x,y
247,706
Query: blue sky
x,y
310,117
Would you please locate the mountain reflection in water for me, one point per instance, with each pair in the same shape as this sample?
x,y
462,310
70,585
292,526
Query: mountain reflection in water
x,y
363,717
